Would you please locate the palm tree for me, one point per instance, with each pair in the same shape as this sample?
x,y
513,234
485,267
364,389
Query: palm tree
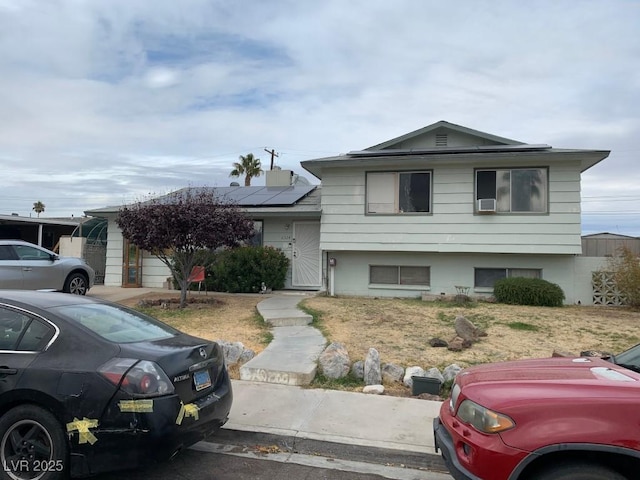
x,y
249,166
38,207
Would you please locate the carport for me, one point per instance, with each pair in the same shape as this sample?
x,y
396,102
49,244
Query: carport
x,y
45,232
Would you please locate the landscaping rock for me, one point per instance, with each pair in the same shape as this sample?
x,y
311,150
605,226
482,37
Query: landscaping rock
x,y
412,372
334,361
246,355
558,353
372,375
231,350
392,373
458,344
357,370
596,353
450,372
467,330
434,373
438,342
373,389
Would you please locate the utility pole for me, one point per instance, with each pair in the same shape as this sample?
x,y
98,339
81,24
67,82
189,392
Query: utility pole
x,y
273,154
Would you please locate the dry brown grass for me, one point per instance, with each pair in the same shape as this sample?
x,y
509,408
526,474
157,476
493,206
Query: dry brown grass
x,y
400,329
220,317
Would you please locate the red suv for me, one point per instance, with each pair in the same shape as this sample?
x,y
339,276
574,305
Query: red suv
x,y
544,419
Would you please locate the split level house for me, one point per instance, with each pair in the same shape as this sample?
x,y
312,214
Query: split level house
x,y
442,210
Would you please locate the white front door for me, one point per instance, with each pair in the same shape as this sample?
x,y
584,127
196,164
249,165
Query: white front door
x,y
305,265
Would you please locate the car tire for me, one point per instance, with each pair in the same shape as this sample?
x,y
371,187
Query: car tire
x,y
76,284
32,445
577,471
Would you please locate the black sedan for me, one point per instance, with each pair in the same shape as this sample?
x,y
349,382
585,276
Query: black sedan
x,y
87,386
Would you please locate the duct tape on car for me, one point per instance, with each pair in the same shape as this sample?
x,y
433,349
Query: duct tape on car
x,y
82,427
136,406
188,410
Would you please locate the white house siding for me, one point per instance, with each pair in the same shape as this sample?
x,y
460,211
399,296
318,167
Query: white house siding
x,y
452,227
447,271
583,268
154,272
113,268
276,232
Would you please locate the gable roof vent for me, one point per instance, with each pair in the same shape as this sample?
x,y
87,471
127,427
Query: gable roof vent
x,y
441,139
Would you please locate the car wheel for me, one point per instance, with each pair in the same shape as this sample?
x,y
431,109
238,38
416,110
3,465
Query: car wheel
x,y
577,471
32,445
76,284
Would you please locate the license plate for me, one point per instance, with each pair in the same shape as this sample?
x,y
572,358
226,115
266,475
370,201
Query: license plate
x,y
201,380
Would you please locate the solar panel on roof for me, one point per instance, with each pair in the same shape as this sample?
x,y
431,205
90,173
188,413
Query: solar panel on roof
x,y
264,196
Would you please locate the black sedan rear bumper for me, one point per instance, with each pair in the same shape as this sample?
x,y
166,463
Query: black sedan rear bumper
x,y
132,439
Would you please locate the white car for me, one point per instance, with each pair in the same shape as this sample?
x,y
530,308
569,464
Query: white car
x,y
25,266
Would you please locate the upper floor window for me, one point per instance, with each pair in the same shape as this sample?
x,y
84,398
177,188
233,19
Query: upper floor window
x,y
516,190
398,192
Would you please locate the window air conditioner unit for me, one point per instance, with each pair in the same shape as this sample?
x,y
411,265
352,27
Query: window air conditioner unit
x,y
487,205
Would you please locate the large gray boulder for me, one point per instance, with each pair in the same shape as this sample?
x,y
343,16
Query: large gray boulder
x,y
334,361
392,373
246,355
372,374
357,370
232,351
466,330
450,372
414,371
434,373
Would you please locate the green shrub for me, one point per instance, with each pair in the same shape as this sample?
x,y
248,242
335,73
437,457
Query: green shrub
x,y
625,267
244,269
528,291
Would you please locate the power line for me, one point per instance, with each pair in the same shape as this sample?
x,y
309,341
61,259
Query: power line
x,y
273,154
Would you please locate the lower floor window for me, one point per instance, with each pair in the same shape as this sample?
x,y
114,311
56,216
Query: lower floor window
x,y
486,277
399,275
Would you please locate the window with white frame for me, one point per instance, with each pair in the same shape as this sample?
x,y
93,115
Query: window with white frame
x,y
399,192
399,275
486,277
516,190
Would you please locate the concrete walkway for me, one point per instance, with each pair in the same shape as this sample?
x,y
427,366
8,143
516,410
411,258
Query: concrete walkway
x,y
291,358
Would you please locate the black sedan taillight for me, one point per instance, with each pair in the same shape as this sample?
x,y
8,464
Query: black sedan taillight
x,y
137,377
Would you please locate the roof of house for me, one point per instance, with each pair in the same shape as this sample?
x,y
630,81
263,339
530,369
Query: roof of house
x,y
297,199
444,125
429,145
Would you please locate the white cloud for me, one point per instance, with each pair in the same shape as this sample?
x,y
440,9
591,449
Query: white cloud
x,y
106,100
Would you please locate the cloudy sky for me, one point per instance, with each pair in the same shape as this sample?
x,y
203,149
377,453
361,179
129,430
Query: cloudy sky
x,y
104,102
